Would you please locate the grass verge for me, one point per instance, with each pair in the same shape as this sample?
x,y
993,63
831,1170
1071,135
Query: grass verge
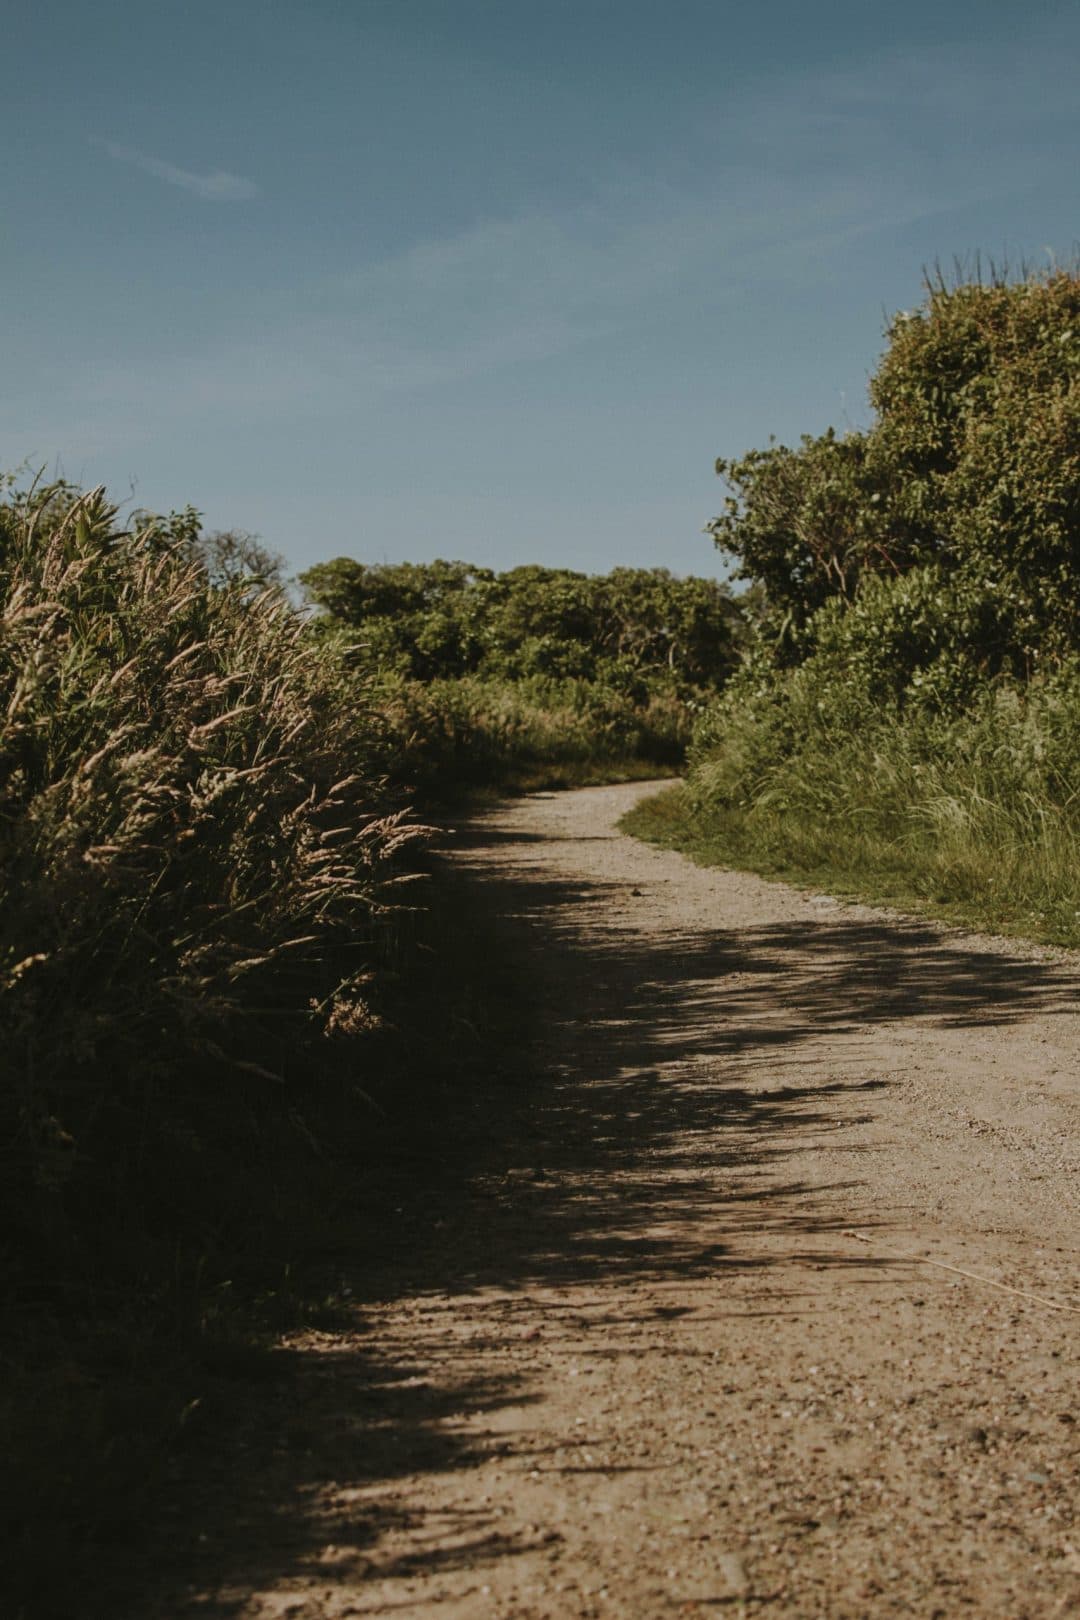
x,y
1028,892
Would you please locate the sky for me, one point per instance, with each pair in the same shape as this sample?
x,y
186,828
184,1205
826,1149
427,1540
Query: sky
x,y
494,279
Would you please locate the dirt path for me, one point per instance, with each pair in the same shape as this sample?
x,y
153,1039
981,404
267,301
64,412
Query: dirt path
x,y
648,1369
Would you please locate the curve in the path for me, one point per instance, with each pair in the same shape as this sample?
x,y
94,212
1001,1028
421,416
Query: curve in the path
x,y
642,1367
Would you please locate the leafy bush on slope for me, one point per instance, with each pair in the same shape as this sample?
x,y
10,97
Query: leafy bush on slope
x,y
907,722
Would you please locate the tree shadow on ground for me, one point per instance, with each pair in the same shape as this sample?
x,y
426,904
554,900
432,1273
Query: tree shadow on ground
x,y
616,1136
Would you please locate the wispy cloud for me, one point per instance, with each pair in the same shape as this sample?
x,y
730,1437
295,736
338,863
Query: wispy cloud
x,y
506,293
217,186
791,177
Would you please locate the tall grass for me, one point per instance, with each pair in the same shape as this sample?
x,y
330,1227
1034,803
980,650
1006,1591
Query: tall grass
x,y
472,732
972,814
194,860
200,904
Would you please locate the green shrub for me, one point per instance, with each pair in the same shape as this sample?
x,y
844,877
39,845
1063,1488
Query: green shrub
x,y
471,732
976,809
908,717
537,676
440,620
971,466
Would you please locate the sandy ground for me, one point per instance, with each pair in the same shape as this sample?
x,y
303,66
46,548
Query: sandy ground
x,y
647,1367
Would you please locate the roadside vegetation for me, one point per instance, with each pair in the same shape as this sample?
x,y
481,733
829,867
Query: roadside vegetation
x,y
536,677
209,938
241,1004
906,724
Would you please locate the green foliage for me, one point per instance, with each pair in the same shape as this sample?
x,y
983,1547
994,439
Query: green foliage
x,y
471,732
801,522
978,438
417,619
972,466
441,620
537,675
909,712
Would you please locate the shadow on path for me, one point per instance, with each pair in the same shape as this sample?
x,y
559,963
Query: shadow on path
x,y
627,1135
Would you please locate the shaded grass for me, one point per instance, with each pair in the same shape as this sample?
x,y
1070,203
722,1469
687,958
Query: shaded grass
x,y
116,1390
447,738
203,928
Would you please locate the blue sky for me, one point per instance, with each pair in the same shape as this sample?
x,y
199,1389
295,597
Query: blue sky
x,y
493,279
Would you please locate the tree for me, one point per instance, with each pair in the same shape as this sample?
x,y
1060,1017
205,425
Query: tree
x,y
235,557
971,469
441,619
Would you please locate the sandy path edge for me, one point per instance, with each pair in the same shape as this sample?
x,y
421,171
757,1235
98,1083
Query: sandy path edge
x,y
651,1371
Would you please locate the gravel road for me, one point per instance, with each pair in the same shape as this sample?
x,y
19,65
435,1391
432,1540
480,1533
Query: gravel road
x,y
708,1344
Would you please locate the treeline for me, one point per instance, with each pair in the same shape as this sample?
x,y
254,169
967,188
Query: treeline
x,y
532,677
907,722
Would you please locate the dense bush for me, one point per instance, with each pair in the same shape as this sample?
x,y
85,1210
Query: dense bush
x,y
440,620
971,466
535,676
473,732
910,712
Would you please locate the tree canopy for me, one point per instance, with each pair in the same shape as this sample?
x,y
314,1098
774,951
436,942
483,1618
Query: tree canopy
x,y
445,619
970,472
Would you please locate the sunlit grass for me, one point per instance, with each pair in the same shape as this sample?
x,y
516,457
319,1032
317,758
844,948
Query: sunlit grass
x,y
977,822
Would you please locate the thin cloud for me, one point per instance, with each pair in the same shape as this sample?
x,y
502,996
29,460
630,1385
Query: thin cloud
x,y
217,186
